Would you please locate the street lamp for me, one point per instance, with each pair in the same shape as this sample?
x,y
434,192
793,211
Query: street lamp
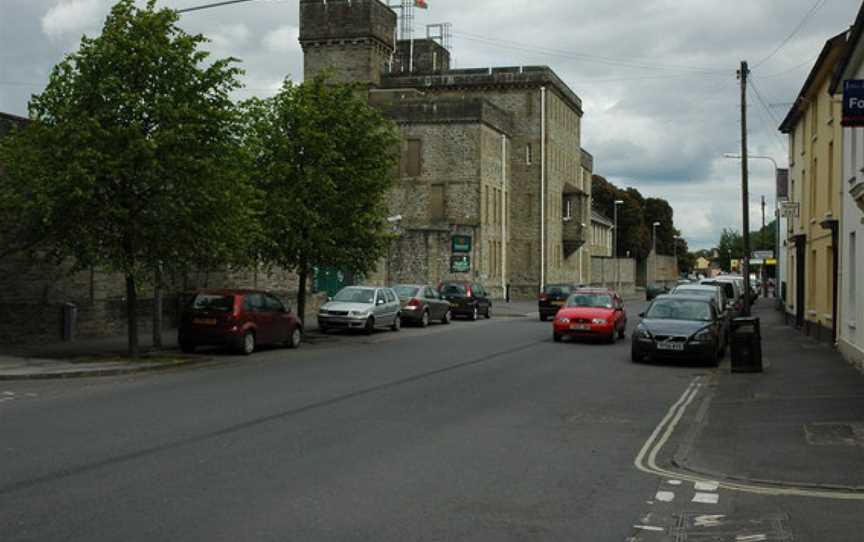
x,y
617,202
654,247
675,252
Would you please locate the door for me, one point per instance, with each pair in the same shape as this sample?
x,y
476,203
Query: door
x,y
380,309
282,319
437,307
800,278
263,319
392,305
482,299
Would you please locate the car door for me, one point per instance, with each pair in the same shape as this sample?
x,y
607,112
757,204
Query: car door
x,y
282,319
437,306
482,299
262,317
392,305
380,310
620,315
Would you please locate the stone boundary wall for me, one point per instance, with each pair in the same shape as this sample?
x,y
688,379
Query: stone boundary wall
x,y
614,271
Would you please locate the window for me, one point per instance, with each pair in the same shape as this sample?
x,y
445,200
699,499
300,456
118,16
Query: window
x,y
853,293
272,304
391,297
429,293
853,154
412,158
568,209
813,192
792,146
437,202
811,304
830,176
814,120
529,154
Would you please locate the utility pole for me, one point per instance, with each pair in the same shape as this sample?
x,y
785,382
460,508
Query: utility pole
x,y
743,72
762,233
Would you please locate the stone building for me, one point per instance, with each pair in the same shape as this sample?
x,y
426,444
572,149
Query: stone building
x,y
601,235
494,185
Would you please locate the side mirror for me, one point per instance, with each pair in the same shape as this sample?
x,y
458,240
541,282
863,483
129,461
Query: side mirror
x,y
641,315
329,298
286,310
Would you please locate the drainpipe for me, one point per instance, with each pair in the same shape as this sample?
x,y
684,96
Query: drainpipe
x,y
504,215
542,188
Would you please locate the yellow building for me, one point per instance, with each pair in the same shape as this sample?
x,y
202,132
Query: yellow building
x,y
815,154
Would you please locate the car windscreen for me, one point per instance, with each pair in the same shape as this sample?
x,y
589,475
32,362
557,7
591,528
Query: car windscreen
x,y
453,289
557,289
679,309
590,300
728,289
355,295
213,302
695,292
406,291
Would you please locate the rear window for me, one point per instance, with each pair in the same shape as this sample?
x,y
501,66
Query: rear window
x,y
600,301
555,289
213,302
406,291
449,289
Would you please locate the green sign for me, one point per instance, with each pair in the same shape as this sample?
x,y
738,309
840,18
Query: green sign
x,y
461,243
460,264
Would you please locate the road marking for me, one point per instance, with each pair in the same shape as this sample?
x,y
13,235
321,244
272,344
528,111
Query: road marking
x,y
708,520
706,486
706,498
750,538
646,459
665,496
673,482
649,528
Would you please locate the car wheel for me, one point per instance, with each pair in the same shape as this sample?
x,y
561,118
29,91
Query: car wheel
x,y
296,338
475,314
611,338
447,317
397,323
323,329
556,337
424,320
488,314
248,344
370,326
622,331
187,348
635,356
543,317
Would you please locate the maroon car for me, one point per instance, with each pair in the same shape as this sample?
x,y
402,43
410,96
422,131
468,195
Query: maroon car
x,y
238,319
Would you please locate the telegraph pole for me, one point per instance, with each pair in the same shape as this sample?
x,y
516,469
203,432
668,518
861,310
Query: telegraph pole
x,y
743,72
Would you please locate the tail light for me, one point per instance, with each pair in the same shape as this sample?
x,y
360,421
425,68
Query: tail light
x,y
543,297
414,302
468,292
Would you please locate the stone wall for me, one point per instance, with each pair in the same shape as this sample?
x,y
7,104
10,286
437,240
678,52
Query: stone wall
x,y
658,269
617,273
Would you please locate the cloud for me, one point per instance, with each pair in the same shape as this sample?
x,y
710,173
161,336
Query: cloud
x,y
282,40
71,18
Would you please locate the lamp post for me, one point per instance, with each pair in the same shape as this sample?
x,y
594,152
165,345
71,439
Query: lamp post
x,y
654,247
617,202
675,252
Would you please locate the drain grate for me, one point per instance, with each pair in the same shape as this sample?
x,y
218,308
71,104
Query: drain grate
x,y
834,434
699,527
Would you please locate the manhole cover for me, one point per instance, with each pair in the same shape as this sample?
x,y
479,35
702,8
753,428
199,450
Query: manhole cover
x,y
832,434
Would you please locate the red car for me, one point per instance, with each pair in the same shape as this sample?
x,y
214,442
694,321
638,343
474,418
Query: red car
x,y
238,319
597,313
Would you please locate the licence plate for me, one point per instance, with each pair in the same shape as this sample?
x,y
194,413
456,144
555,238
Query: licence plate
x,y
454,304
581,327
559,303
204,321
676,347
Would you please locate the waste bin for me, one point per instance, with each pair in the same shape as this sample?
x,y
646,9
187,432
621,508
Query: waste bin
x,y
70,321
746,345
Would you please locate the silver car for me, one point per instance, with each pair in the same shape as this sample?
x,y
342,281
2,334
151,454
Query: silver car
x,y
361,307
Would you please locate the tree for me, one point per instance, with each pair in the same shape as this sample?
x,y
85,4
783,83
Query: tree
x,y
132,159
731,247
325,159
659,210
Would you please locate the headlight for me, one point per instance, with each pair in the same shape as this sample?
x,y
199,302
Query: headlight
x,y
358,314
641,332
704,336
601,321
564,320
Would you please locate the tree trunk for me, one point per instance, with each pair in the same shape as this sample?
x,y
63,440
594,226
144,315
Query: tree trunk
x,y
301,293
132,315
157,309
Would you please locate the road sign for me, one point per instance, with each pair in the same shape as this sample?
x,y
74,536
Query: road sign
x,y
790,209
763,254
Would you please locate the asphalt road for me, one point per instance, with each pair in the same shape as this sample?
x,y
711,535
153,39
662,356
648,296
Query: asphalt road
x,y
474,431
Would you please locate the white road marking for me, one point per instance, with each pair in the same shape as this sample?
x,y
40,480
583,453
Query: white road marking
x,y
649,528
706,498
707,486
9,393
673,482
750,538
646,459
665,496
708,520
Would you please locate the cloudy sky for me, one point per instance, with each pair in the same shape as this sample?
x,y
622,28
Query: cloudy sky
x,y
657,77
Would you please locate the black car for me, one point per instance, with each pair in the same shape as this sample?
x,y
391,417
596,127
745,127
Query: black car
x,y
554,296
678,327
467,299
653,290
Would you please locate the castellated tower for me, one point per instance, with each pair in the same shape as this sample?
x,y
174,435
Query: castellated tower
x,y
352,38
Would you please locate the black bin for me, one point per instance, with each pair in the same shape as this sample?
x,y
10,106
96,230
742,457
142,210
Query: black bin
x,y
746,345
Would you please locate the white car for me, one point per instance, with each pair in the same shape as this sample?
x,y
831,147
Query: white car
x,y
361,307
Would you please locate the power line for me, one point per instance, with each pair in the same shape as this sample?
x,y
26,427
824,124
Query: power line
x,y
766,124
789,70
810,13
213,5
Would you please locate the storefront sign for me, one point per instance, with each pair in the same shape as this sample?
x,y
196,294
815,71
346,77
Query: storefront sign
x,y
461,243
853,102
460,264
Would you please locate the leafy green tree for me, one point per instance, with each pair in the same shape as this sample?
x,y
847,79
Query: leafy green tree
x,y
132,158
326,159
659,210
731,247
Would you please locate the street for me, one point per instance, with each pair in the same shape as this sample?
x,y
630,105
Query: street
x,y
473,431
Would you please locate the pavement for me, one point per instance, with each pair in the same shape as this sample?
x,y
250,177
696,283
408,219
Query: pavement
x,y
800,423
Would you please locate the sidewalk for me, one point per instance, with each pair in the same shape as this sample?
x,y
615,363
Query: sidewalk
x,y
89,357
800,423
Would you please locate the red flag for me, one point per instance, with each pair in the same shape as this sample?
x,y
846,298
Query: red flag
x,y
421,4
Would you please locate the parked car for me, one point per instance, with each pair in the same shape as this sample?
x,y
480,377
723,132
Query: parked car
x,y
467,299
678,327
717,295
421,303
597,313
653,290
361,307
730,290
554,297
238,319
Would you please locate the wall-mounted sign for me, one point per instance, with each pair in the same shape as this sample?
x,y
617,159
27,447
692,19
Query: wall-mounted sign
x,y
762,254
853,102
461,243
460,264
782,184
790,209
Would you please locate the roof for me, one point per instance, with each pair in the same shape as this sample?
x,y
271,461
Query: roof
x,y
851,48
8,121
832,51
677,297
600,217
